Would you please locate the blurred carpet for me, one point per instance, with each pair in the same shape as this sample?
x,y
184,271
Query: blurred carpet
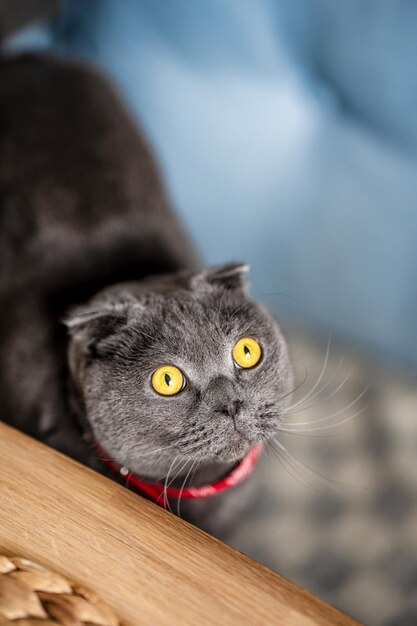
x,y
344,526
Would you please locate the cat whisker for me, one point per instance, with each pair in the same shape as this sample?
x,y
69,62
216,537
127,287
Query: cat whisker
x,y
182,488
141,456
296,387
267,447
274,293
195,471
243,306
315,473
320,428
183,466
197,467
338,388
156,339
164,492
319,379
290,425
297,475
269,432
159,341
303,433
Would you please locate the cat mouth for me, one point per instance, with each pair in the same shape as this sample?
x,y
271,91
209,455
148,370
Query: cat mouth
x,y
236,446
237,437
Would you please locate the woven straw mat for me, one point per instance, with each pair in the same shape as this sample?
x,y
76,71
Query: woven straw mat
x,y
31,595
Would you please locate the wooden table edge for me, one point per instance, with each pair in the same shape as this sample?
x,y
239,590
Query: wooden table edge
x,y
146,563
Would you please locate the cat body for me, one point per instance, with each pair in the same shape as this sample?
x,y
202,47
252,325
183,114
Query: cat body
x,y
87,237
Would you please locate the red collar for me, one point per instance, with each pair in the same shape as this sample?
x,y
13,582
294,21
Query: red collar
x,y
158,494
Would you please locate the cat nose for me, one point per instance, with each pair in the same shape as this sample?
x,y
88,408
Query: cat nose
x,y
221,396
230,410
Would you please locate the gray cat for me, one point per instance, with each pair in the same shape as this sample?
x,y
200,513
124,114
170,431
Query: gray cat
x,y
165,369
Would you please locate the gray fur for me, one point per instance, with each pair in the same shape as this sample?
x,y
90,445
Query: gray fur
x,y
74,247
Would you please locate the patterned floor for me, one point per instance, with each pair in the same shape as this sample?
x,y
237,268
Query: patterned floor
x,y
348,533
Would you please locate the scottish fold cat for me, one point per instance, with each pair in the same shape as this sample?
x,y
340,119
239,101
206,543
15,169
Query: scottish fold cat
x,y
116,347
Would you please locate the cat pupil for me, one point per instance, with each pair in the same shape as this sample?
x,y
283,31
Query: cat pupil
x,y
246,351
167,379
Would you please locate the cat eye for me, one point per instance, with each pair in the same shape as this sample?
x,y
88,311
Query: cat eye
x,y
247,352
168,380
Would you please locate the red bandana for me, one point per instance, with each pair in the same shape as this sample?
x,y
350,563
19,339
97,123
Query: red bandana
x,y
159,494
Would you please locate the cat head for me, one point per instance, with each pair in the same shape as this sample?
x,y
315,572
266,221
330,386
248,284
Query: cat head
x,y
185,364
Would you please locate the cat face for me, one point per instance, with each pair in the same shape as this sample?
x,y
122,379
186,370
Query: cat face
x,y
187,365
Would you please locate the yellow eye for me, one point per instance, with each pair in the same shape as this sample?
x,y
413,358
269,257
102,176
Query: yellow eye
x,y
247,352
168,380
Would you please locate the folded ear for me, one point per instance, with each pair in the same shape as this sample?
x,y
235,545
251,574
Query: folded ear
x,y
228,276
89,327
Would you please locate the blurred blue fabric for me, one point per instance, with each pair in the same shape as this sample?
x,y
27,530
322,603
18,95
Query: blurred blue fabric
x,y
287,134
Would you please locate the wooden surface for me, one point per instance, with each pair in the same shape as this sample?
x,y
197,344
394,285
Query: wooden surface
x,y
151,567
